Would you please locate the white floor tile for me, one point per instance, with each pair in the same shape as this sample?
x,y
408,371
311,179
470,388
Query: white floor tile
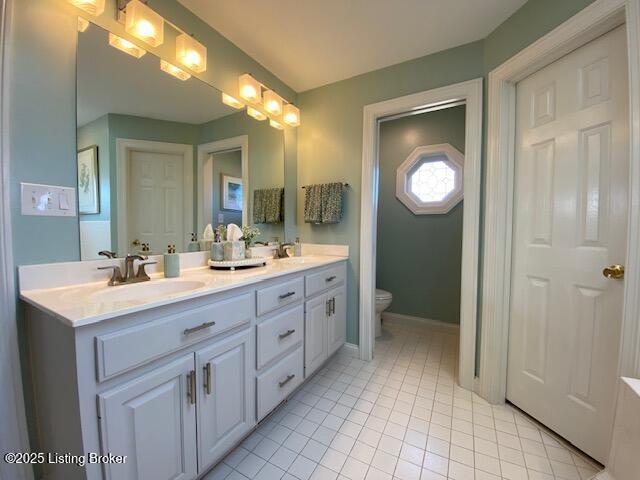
x,y
400,417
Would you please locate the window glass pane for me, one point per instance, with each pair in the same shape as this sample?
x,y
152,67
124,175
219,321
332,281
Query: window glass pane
x,y
432,181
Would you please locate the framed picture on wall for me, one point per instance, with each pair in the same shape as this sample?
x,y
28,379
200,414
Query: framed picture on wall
x,y
231,193
88,177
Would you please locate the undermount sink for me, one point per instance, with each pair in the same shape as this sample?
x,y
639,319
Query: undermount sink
x,y
299,260
146,290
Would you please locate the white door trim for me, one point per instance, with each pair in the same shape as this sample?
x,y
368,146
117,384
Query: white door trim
x,y
123,147
14,436
595,20
471,93
205,188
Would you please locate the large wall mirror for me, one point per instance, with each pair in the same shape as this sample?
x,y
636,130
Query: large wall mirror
x,y
159,158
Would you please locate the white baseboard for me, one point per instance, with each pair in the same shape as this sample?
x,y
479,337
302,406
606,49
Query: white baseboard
x,y
410,319
351,349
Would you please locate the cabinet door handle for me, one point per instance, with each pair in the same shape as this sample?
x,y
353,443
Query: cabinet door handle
x,y
207,378
328,307
191,387
330,279
286,380
333,305
287,333
189,331
286,295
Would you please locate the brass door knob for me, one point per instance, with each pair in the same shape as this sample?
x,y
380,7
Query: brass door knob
x,y
614,271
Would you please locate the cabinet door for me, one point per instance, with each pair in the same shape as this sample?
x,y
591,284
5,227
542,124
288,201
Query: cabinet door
x,y
315,333
152,421
226,395
337,322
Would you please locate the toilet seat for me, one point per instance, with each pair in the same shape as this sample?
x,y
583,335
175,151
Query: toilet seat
x,y
383,294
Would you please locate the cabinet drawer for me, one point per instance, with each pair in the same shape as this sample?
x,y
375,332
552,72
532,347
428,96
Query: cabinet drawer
x,y
279,381
125,349
325,279
279,333
272,298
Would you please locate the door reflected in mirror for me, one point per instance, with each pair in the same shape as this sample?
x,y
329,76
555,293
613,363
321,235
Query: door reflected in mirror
x,y
167,157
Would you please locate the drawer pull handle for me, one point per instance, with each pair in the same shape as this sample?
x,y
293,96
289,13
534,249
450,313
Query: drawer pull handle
x,y
287,333
207,378
189,331
286,295
286,380
191,387
330,279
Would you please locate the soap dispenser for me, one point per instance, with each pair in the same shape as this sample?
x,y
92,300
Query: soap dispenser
x,y
297,248
194,246
171,262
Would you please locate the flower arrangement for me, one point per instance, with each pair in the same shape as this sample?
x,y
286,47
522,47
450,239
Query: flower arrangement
x,y
249,234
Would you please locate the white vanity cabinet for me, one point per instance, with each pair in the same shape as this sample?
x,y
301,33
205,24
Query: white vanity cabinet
x,y
152,421
177,386
325,316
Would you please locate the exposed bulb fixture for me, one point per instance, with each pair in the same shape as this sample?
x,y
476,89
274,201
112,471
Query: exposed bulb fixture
x,y
231,101
173,70
252,112
143,23
83,24
249,88
272,102
191,53
276,125
291,115
125,46
92,7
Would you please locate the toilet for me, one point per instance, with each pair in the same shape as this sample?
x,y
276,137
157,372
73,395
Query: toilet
x,y
383,300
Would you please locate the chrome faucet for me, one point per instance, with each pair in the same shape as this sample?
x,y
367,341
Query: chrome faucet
x,y
282,250
118,279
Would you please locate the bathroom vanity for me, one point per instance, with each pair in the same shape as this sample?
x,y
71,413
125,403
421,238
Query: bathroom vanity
x,y
173,373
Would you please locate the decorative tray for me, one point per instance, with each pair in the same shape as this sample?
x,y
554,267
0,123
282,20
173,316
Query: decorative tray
x,y
233,264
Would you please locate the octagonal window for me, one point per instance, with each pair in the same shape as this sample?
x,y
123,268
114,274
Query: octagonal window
x,y
430,179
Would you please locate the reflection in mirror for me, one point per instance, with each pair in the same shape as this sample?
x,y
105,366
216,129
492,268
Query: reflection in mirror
x,y
159,158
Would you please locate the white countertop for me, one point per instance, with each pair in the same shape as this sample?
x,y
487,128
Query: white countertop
x,y
84,304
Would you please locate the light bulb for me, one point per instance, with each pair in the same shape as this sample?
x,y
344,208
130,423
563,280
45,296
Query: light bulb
x,y
249,88
144,23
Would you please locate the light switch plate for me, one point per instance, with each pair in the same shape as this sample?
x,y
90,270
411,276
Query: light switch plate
x,y
221,218
48,200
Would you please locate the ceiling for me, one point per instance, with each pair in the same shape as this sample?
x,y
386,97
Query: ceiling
x,y
309,43
110,81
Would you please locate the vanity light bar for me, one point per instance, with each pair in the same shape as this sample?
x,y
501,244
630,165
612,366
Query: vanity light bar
x,y
231,101
92,7
258,115
173,70
83,24
253,91
144,24
125,46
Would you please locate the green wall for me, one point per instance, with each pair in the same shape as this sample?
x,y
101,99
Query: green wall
x,y
330,136
419,257
225,163
330,141
97,133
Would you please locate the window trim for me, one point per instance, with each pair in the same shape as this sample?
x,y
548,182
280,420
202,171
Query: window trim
x,y
454,158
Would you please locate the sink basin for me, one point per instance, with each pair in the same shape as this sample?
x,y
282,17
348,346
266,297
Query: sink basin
x,y
146,290
299,260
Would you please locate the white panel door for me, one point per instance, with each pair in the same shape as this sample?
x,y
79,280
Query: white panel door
x,y
337,321
155,207
315,333
151,420
226,396
570,221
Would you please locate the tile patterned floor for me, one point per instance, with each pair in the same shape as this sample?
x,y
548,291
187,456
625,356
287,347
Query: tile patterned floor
x,y
400,417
